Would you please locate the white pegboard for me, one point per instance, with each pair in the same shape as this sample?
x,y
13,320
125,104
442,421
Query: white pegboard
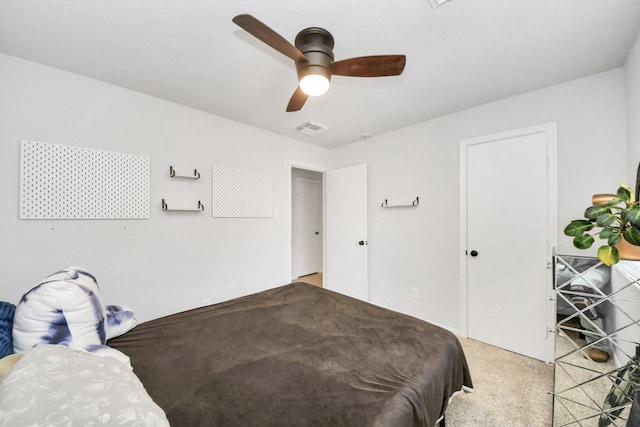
x,y
64,182
241,194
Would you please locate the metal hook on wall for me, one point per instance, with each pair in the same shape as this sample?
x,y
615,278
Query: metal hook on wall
x,y
172,174
165,207
415,203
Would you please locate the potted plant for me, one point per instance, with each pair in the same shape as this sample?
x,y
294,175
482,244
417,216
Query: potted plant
x,y
613,218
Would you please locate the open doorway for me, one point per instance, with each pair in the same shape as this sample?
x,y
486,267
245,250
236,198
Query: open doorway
x,y
306,226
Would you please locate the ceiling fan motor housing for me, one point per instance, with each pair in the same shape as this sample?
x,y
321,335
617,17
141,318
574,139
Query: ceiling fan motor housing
x,y
317,46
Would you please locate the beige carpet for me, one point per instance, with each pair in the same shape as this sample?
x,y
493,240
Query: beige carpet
x,y
510,390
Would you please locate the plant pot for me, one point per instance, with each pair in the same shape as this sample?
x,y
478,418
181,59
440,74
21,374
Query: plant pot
x,y
602,199
628,251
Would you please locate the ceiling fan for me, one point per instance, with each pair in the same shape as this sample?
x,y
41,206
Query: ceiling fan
x,y
313,55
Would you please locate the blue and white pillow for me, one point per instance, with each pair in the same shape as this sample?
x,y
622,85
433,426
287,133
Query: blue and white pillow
x,y
65,308
120,320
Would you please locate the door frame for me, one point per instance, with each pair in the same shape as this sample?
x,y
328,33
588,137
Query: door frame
x,y
550,129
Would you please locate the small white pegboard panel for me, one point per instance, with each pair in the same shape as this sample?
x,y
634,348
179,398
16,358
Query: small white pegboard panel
x,y
64,182
241,194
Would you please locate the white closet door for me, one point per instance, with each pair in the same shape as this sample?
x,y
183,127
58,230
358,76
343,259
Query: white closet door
x,y
345,269
508,222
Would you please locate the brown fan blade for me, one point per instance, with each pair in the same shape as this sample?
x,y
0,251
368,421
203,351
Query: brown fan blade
x,y
297,100
370,66
265,34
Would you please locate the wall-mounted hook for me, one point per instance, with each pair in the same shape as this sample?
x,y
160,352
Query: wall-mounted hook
x,y
415,203
165,207
172,174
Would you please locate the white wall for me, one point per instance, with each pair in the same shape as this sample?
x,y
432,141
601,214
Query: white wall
x,y
419,247
174,261
632,79
171,261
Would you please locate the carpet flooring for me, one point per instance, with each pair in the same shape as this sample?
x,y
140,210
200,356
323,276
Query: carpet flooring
x,y
510,390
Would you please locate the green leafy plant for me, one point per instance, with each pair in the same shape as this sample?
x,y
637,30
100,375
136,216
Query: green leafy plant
x,y
617,219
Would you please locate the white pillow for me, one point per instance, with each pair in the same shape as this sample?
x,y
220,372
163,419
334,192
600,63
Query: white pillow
x,y
65,308
54,385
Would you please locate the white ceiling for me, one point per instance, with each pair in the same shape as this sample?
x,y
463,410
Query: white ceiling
x,y
463,54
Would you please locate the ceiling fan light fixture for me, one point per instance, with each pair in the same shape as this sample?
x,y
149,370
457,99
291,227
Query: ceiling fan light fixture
x,y
314,84
314,78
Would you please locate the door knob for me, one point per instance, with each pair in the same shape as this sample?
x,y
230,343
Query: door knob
x,y
361,242
473,253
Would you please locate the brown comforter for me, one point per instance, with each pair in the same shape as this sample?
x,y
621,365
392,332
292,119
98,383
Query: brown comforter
x,y
297,355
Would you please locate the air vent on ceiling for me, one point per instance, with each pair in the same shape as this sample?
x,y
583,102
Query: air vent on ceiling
x,y
312,128
437,3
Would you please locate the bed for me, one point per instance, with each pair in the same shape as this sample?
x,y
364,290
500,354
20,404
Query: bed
x,y
296,355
